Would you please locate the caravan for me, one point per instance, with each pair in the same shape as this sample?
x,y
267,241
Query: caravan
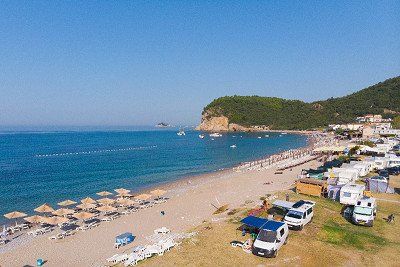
x,y
364,212
350,193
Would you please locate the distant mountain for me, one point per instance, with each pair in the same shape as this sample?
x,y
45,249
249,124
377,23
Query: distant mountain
x,y
230,113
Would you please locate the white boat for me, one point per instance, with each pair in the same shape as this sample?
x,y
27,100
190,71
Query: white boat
x,y
283,133
267,135
215,135
212,139
181,133
201,136
259,137
233,146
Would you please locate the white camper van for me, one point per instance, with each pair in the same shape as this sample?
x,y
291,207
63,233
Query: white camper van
x,y
350,193
270,239
300,214
364,212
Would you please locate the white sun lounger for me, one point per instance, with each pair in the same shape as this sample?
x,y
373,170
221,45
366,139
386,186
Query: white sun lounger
x,y
162,230
134,258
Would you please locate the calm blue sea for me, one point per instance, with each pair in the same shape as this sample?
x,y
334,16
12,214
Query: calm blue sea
x,y
51,166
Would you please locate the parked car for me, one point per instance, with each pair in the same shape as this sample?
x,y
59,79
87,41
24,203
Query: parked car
x,y
364,212
270,239
300,214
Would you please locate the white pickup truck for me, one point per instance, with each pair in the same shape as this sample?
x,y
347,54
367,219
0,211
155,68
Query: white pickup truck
x,y
298,213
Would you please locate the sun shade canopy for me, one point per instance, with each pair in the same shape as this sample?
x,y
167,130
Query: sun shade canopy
x,y
261,223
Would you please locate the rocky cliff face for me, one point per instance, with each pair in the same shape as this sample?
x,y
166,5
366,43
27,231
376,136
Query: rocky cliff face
x,y
212,123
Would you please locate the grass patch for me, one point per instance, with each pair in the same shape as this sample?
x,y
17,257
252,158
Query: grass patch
x,y
361,238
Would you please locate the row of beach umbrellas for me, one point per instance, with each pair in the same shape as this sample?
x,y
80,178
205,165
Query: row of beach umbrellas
x,y
86,204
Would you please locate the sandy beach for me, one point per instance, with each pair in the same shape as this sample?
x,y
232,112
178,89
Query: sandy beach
x,y
192,201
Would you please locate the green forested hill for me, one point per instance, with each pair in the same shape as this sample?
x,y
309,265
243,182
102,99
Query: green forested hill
x,y
382,98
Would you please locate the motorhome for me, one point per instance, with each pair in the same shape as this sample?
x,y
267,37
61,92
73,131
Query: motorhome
x,y
300,214
350,193
364,212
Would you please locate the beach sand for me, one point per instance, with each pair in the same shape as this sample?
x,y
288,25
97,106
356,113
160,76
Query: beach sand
x,y
191,202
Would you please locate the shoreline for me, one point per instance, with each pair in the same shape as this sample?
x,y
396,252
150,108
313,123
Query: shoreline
x,y
191,202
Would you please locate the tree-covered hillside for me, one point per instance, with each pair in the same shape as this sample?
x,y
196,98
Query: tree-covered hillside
x,y
382,98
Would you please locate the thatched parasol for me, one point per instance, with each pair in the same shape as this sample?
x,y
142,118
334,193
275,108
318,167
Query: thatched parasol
x,y
106,201
14,215
122,190
45,208
88,200
67,202
143,197
86,206
158,192
83,215
104,193
55,220
35,219
106,208
63,212
125,202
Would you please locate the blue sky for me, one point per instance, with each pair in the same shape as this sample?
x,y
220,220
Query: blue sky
x,y
141,62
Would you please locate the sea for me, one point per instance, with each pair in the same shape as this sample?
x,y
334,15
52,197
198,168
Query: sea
x,y
48,166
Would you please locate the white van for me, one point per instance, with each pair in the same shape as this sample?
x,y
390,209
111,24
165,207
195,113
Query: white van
x,y
300,214
364,212
270,239
350,193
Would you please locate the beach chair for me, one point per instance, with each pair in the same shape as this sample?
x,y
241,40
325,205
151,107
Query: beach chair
x,y
134,258
121,258
168,244
112,258
162,230
106,219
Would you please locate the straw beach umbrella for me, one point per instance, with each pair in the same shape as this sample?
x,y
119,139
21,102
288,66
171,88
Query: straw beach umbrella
x,y
158,192
106,208
88,200
35,219
83,215
106,201
86,206
14,215
122,191
45,208
63,212
104,193
125,202
143,197
56,220
67,202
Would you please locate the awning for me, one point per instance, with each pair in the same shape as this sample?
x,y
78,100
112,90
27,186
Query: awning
x,y
261,223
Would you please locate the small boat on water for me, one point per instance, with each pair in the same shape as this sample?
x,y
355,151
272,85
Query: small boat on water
x,y
233,146
181,133
215,135
259,137
283,133
201,136
267,135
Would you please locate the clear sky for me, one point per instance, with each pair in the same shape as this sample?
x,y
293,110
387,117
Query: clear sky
x,y
142,62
